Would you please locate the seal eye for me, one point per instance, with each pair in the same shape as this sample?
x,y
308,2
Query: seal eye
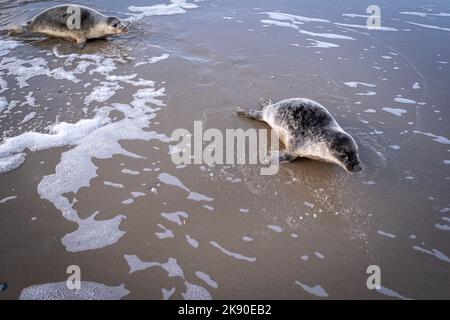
x,y
115,25
343,157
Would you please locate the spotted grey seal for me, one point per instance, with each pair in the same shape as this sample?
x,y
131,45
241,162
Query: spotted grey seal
x,y
308,130
72,22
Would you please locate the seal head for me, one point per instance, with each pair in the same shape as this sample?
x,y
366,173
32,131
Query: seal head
x,y
115,26
344,151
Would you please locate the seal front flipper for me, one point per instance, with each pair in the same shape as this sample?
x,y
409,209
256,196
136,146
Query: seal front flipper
x,y
251,114
81,43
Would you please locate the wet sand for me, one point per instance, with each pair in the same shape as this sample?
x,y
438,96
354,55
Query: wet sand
x,y
308,232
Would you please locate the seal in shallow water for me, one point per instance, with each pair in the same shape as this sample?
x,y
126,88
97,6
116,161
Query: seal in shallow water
x,y
308,130
72,22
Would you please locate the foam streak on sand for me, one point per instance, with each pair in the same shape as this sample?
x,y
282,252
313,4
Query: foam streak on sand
x,y
439,139
98,138
292,21
321,44
4,200
6,46
174,181
428,26
60,291
425,14
395,111
232,254
175,7
366,27
316,290
153,60
176,217
355,84
390,293
205,277
193,291
295,19
433,252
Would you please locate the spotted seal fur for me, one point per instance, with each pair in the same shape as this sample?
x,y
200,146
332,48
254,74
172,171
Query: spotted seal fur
x,y
308,130
73,22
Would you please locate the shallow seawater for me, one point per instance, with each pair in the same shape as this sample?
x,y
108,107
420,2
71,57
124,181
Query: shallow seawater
x,y
87,177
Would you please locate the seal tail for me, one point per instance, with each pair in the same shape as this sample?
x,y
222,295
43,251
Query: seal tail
x,y
251,114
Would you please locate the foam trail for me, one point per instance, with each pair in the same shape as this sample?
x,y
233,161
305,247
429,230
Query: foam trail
x,y
366,27
316,290
433,252
439,139
321,44
425,14
395,111
175,7
60,291
205,277
232,254
390,293
195,292
4,200
428,26
292,18
174,181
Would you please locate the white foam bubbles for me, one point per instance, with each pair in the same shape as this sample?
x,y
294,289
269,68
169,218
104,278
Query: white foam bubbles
x,y
177,217
60,291
355,84
321,44
395,111
232,254
391,293
175,7
6,46
275,228
404,100
386,234
433,252
192,242
153,60
195,292
28,117
169,179
207,279
428,26
164,235
366,27
317,290
167,294
6,199
439,139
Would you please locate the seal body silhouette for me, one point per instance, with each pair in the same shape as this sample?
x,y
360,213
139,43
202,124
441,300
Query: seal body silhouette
x,y
308,130
72,22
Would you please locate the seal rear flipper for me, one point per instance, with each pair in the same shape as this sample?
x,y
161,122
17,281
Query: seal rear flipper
x,y
81,43
282,157
251,114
